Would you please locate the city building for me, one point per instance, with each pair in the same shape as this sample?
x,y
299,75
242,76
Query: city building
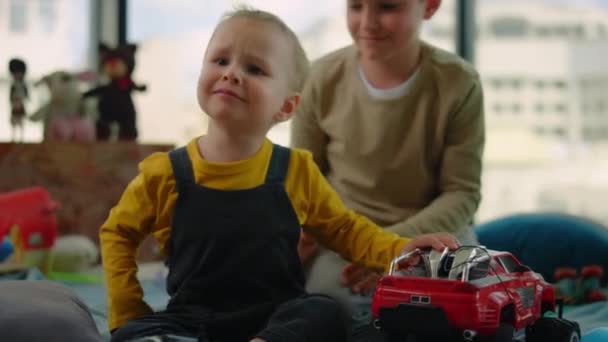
x,y
543,67
48,35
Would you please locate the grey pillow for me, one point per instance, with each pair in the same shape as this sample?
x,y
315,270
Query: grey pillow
x,y
43,311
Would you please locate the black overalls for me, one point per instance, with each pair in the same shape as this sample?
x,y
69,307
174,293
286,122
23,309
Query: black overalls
x,y
234,271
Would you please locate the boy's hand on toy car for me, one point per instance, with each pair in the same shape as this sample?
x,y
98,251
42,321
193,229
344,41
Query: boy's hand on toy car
x,y
308,247
358,278
436,241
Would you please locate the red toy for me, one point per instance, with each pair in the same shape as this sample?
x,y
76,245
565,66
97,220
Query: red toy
x,y
470,294
28,215
590,283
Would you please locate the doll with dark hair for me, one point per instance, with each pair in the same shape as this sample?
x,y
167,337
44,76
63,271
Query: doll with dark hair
x,y
115,104
18,94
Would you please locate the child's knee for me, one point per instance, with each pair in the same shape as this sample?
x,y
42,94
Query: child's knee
x,y
326,307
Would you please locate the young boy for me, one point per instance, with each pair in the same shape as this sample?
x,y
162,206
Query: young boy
x,y
227,209
417,114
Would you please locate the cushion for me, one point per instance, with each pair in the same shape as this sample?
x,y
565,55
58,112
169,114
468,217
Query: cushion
x,y
43,311
546,241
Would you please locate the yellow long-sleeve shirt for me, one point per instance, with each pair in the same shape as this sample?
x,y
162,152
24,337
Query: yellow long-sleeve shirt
x,y
146,207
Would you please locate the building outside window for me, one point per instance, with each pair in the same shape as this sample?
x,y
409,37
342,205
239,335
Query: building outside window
x,y
561,135
46,9
509,27
49,35
17,19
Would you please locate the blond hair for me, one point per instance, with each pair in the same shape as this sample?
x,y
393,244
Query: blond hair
x,y
301,64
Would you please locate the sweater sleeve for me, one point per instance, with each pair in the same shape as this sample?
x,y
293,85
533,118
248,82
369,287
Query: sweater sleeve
x,y
306,132
127,225
459,172
353,236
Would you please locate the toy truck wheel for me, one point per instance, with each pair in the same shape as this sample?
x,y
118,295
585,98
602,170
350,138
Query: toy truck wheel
x,y
504,333
553,329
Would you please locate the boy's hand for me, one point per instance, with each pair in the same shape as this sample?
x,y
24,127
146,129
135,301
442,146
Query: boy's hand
x,y
308,247
436,241
359,279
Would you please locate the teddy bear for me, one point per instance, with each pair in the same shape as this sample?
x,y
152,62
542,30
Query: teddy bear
x,y
115,104
63,116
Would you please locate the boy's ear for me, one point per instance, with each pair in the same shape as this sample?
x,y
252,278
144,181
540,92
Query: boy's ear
x,y
288,109
431,8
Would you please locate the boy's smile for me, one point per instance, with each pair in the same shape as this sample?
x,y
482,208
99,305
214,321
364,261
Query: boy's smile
x,y
383,28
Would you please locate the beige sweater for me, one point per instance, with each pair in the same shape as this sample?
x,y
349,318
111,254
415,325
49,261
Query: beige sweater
x,y
412,164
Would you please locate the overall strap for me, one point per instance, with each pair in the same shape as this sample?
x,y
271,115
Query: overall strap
x,y
182,168
279,163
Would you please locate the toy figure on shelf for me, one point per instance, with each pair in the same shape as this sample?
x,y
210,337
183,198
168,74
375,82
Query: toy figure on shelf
x,y
28,215
115,104
63,116
18,94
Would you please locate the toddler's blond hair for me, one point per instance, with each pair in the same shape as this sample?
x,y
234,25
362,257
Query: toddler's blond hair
x,y
301,63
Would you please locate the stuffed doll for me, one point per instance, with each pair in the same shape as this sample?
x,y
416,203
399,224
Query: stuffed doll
x,y
18,94
63,116
114,99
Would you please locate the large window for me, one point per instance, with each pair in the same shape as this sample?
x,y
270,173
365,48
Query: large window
x,y
49,35
541,64
48,15
17,16
549,156
168,111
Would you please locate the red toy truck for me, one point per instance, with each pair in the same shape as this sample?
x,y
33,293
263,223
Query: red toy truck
x,y
470,294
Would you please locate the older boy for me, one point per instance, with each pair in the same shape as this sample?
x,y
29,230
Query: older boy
x,y
228,207
416,112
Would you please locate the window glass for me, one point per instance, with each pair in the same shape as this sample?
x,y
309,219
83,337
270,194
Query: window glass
x,y
168,111
17,16
48,17
49,35
525,53
509,27
558,144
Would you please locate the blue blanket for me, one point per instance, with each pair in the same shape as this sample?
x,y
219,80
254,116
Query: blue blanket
x,y
589,316
593,318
